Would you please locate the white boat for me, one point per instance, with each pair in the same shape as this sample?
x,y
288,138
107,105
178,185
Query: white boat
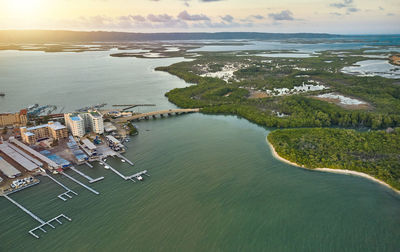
x,y
55,172
107,167
140,178
123,161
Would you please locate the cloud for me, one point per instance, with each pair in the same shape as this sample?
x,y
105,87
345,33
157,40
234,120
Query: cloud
x,y
259,17
285,15
162,18
352,9
138,18
184,15
390,14
227,18
341,5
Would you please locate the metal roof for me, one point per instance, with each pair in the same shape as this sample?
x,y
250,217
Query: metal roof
x,y
88,144
21,160
34,160
113,139
34,153
7,169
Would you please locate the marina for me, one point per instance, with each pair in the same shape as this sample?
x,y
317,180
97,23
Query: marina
x,y
79,183
213,194
42,222
91,180
67,192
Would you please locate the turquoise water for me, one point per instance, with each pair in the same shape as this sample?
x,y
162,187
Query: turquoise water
x,y
214,184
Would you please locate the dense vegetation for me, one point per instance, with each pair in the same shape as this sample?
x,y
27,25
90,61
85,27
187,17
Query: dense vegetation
x,y
376,153
301,110
132,130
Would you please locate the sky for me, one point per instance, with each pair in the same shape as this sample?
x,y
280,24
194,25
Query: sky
x,y
322,16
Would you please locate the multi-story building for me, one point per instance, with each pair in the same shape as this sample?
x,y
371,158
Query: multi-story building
x,y
54,130
95,122
76,124
80,123
14,119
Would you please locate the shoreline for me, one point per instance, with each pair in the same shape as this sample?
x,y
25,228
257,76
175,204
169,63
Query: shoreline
x,y
330,170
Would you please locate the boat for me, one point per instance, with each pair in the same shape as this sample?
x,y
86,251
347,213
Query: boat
x,y
55,172
123,161
107,167
140,178
2,94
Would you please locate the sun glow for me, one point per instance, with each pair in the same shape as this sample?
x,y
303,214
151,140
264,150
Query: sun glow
x,y
24,8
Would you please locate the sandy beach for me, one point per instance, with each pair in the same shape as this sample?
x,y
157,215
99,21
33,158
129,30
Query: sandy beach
x,y
338,171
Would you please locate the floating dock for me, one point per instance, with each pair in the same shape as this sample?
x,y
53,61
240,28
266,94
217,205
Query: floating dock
x,y
91,180
42,222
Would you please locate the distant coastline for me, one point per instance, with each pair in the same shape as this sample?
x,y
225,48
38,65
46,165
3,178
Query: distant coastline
x,y
338,171
395,60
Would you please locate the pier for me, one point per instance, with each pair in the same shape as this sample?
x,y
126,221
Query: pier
x,y
67,192
42,222
131,177
124,158
88,164
80,183
91,180
156,113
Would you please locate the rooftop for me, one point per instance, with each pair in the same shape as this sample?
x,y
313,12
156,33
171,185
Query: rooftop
x,y
18,158
88,144
8,169
76,118
56,126
95,114
53,125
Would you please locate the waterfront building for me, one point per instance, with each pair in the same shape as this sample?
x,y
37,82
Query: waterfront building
x,y
14,119
54,130
17,158
34,154
75,123
95,122
8,170
80,123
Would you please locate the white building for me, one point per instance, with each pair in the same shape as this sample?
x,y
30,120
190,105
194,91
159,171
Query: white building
x,y
95,122
75,124
79,124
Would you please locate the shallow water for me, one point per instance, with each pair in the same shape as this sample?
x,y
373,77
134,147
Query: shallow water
x,y
374,68
214,184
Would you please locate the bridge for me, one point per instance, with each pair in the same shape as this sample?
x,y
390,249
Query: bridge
x,y
129,106
160,113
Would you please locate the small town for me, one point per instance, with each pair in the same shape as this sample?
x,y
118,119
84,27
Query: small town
x,y
34,145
